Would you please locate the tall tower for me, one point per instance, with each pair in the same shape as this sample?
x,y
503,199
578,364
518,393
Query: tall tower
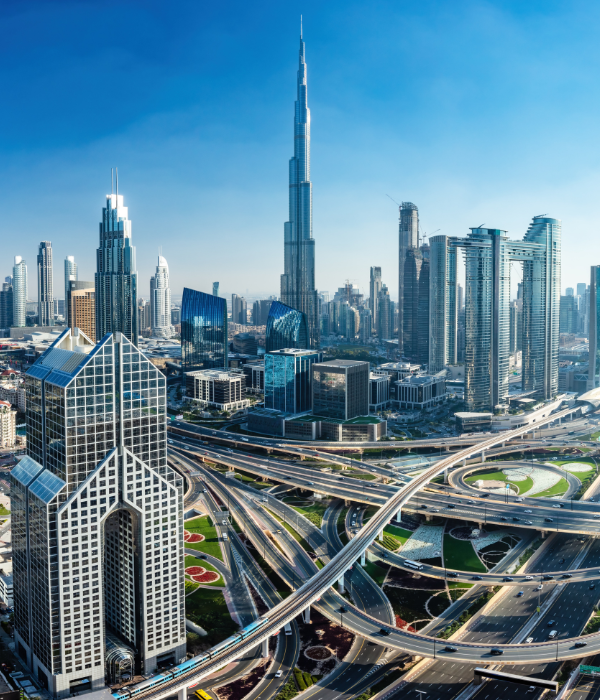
x,y
45,285
408,237
70,276
116,276
374,289
97,529
19,292
298,280
160,301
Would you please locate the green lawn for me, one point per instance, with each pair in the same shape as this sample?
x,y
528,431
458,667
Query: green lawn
x,y
190,586
204,526
375,572
207,608
398,533
459,554
522,486
556,490
192,561
314,512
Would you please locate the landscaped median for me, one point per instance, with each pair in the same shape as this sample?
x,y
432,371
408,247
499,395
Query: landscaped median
x,y
209,544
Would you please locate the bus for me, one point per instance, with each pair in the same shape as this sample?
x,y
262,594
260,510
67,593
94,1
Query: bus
x,y
413,564
202,695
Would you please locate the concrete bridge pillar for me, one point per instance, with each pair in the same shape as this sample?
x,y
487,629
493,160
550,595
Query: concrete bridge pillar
x,y
428,517
341,588
380,535
182,693
306,615
347,503
264,648
446,448
302,458
399,515
363,558
543,533
480,526
446,475
464,462
483,455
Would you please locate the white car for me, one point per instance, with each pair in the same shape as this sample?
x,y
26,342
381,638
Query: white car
x,y
528,511
519,500
529,640
278,674
539,588
529,578
556,505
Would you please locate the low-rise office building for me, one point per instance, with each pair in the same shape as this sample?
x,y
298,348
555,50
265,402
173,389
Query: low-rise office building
x,y
420,392
225,391
6,589
379,391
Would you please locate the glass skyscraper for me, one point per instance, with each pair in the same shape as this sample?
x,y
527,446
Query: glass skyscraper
x,y
286,328
298,280
408,237
97,517
19,292
288,375
71,275
45,285
594,354
116,276
488,254
204,343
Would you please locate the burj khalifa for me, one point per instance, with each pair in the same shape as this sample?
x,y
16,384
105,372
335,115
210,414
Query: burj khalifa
x,y
298,280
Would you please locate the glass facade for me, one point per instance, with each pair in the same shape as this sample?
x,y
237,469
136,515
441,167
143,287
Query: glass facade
x,y
288,375
45,285
204,343
298,280
286,328
116,276
97,515
594,361
341,389
488,256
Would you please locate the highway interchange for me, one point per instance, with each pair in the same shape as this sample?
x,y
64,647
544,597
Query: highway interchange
x,y
579,519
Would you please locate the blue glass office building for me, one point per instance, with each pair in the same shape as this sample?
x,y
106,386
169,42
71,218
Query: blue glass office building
x,y
286,328
203,331
288,376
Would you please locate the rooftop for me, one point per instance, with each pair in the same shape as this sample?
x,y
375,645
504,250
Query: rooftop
x,y
342,363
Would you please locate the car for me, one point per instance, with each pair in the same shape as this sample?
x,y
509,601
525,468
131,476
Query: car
x,y
578,645
508,578
555,505
451,505
423,505
520,594
201,556
551,520
278,674
567,575
340,478
539,588
528,522
592,586
448,648
596,516
519,500
278,532
529,578
435,510
343,609
529,640
527,510
550,623
504,519
453,574
476,578
553,634
517,520
384,633
496,652
169,441
223,522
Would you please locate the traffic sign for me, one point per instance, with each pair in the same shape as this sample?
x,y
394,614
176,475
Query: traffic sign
x,y
589,669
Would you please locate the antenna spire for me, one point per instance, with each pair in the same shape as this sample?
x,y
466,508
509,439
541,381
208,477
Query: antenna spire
x,y
117,205
301,26
112,187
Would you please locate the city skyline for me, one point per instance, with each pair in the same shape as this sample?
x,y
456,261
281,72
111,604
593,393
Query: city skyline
x,y
453,204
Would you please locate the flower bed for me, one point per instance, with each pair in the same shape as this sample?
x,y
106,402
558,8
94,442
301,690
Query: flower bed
x,y
192,537
425,543
543,479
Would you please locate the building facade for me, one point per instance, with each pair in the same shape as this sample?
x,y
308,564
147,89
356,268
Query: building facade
x,y
445,300
8,425
379,391
6,307
245,343
374,289
204,343
286,328
71,275
225,391
160,301
82,308
19,292
97,517
420,392
594,328
288,379
340,389
488,255
298,279
408,237
45,285
239,310
116,277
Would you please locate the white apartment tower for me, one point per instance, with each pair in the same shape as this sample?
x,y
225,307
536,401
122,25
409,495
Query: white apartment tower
x,y
160,301
45,285
70,276
97,518
19,292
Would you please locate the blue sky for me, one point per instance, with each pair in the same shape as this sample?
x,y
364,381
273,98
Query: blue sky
x,y
479,112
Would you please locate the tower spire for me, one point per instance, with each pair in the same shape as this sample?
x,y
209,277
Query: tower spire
x,y
300,26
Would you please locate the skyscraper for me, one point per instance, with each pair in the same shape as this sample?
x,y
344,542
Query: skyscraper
x,y
160,301
215,289
6,307
288,377
374,289
408,238
97,517
298,280
385,321
445,297
594,328
239,309
45,285
19,292
116,276
204,342
286,328
488,254
81,308
71,275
